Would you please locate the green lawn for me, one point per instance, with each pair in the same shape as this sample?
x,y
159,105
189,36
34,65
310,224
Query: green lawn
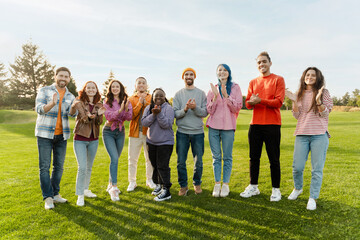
x,y
137,216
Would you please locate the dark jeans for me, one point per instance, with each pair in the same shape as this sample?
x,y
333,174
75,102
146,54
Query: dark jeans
x,y
271,135
160,158
50,187
183,142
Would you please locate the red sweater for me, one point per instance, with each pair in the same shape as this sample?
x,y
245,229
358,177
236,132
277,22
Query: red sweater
x,y
271,90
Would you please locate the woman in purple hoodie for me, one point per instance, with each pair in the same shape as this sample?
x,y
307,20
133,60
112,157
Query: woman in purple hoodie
x,y
159,118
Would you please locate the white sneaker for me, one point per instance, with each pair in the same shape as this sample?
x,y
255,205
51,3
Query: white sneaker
x,y
89,194
275,195
216,191
49,203
150,184
80,201
109,187
131,187
294,194
225,190
59,199
114,194
250,191
311,205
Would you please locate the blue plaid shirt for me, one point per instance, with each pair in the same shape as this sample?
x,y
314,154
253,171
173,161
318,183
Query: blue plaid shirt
x,y
46,122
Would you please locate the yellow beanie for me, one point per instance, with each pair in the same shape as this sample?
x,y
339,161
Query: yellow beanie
x,y
188,69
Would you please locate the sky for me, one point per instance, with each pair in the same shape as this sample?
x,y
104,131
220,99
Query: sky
x,y
159,39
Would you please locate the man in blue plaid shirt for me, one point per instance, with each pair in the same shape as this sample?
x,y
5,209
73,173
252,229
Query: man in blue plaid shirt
x,y
52,130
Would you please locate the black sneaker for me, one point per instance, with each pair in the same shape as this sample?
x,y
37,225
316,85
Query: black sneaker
x,y
164,195
157,190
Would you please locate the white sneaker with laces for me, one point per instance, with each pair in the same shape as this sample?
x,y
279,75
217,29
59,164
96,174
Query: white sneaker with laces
x,y
89,194
250,191
114,194
150,184
216,191
131,187
294,194
59,199
311,205
225,190
109,188
275,195
80,201
49,203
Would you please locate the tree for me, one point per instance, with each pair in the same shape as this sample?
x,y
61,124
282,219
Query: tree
x,y
107,82
3,85
336,101
345,99
287,103
29,72
72,87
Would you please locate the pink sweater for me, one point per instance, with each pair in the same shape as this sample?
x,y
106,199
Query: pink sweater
x,y
224,111
117,119
311,123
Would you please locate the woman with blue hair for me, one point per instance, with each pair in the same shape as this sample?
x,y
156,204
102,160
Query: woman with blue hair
x,y
224,102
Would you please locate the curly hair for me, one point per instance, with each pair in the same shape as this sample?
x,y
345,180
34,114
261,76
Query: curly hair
x,y
84,97
110,96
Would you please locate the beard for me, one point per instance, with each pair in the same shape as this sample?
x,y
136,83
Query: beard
x,y
189,82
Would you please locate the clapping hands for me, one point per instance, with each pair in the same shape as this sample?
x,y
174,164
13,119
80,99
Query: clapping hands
x,y
156,110
190,104
318,96
290,95
254,99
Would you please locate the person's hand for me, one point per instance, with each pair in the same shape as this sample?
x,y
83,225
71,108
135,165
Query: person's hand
x,y
142,98
156,110
91,116
192,104
122,106
101,111
290,95
187,105
254,99
318,96
223,91
215,91
54,99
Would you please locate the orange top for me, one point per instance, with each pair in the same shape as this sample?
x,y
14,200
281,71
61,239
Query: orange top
x,y
58,128
271,90
138,109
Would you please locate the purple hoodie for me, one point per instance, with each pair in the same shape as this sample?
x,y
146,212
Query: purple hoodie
x,y
160,126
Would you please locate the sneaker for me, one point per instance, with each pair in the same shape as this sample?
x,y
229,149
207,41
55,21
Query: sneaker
x,y
131,187
164,195
114,194
150,184
49,203
216,191
250,191
59,199
311,205
80,201
225,190
89,194
275,195
157,190
197,189
109,187
183,191
294,194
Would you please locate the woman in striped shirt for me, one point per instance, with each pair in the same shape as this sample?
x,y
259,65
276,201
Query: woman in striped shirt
x,y
311,107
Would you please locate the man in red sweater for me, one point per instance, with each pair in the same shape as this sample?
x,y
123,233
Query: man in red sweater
x,y
265,96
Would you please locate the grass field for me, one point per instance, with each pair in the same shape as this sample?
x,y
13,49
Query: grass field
x,y
137,216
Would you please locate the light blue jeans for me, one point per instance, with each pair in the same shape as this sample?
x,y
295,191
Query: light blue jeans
x,y
114,143
224,138
318,145
85,152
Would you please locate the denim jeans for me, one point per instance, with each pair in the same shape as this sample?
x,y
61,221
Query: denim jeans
x,y
224,138
50,187
183,142
318,145
114,143
85,152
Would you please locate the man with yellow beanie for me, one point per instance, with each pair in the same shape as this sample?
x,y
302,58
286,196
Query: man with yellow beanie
x,y
189,105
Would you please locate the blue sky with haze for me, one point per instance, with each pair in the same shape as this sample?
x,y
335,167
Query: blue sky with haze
x,y
158,39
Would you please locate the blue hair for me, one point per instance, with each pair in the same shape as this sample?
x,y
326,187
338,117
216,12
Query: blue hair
x,y
228,83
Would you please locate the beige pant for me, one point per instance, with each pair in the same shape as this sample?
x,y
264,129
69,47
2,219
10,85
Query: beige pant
x,y
134,151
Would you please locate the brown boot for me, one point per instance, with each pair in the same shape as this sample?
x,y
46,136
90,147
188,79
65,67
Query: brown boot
x,y
197,189
183,191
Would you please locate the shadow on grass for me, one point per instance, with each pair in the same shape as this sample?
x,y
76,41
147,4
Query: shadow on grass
x,y
202,216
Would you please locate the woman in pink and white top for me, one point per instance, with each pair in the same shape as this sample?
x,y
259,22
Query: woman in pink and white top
x,y
224,102
311,107
118,110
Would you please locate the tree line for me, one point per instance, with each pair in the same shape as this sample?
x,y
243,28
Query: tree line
x,y
31,71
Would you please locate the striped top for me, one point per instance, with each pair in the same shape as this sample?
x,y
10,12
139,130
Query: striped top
x,y
311,123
